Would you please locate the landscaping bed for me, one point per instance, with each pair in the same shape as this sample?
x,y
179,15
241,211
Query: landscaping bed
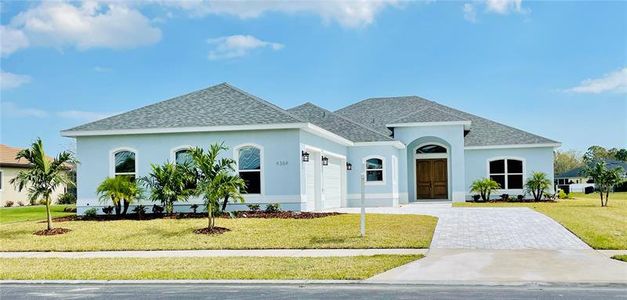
x,y
237,214
338,268
334,231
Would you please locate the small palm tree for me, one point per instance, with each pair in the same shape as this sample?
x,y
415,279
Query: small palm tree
x,y
168,183
538,184
484,187
233,186
121,190
604,178
44,176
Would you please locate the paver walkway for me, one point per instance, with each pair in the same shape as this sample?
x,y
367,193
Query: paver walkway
x,y
489,228
216,253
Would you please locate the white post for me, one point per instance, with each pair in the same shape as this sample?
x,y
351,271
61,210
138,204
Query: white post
x,y
362,219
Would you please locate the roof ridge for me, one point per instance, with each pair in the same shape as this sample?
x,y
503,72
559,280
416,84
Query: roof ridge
x,y
262,101
346,119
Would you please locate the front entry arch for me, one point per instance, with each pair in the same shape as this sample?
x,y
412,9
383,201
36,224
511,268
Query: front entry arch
x,y
431,171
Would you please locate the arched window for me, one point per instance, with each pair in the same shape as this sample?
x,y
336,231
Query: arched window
x,y
182,156
508,172
249,167
125,164
374,170
427,149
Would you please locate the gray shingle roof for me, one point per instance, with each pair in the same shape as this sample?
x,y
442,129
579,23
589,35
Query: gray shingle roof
x,y
429,114
219,105
377,112
337,124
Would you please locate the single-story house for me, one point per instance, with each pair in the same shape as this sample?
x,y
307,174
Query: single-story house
x,y
576,180
308,158
9,167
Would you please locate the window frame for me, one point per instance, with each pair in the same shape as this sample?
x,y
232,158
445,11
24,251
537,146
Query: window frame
x,y
506,172
365,171
115,151
261,170
174,150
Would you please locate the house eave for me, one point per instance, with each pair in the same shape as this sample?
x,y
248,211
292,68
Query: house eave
x,y
395,144
466,124
77,133
541,145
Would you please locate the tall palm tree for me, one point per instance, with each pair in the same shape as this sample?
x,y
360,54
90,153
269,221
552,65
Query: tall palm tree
x,y
121,190
44,176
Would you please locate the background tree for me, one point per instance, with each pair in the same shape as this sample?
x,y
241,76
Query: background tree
x,y
121,190
567,160
538,184
604,178
484,187
595,153
168,183
44,176
621,154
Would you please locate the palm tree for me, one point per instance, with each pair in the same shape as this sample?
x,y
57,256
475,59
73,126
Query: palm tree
x,y
121,190
484,187
213,181
44,176
604,178
169,183
233,187
538,184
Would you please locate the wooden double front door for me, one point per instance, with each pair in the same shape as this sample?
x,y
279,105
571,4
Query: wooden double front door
x,y
431,179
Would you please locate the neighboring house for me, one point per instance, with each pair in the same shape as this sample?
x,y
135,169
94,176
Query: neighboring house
x,y
309,158
576,180
9,167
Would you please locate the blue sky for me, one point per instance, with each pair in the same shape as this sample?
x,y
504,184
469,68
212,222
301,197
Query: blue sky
x,y
557,69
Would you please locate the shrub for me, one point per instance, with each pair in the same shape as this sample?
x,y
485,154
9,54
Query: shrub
x,y
156,209
621,187
20,203
520,197
107,210
562,195
140,210
504,197
66,198
272,208
484,187
8,203
253,207
194,207
476,197
92,212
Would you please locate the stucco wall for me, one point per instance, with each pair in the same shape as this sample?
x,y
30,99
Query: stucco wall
x,y
10,193
280,156
535,159
386,193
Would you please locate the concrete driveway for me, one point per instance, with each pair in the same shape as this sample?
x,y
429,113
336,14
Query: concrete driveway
x,y
499,245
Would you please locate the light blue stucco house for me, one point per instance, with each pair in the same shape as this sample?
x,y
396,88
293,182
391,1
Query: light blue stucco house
x,y
308,158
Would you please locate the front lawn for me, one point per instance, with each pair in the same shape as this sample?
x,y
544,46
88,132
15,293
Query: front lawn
x,y
340,231
600,227
30,213
620,257
356,267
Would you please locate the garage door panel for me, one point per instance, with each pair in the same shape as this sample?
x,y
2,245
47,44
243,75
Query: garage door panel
x,y
332,183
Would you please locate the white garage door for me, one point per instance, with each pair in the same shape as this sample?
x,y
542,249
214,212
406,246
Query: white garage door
x,y
310,184
332,183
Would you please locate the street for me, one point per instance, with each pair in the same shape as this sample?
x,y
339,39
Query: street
x,y
306,291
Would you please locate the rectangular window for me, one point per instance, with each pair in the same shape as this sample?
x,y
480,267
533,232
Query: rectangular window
x,y
508,173
253,182
374,170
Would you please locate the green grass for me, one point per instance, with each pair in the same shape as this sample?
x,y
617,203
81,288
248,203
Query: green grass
x,y
357,267
30,213
620,257
600,227
340,231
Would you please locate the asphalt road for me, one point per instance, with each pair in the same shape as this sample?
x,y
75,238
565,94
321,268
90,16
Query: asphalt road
x,y
308,291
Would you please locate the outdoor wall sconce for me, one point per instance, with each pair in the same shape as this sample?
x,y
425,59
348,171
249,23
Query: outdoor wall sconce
x,y
349,166
325,161
305,156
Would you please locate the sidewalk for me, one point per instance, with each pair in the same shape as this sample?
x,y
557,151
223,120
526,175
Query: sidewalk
x,y
217,253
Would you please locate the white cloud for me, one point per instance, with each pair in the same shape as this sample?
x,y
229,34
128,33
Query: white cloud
x,y
611,82
85,116
504,6
11,80
12,110
84,25
237,46
11,40
356,13
469,12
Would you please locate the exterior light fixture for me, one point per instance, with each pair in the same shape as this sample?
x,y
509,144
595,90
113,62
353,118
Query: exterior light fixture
x,y
305,156
349,166
325,161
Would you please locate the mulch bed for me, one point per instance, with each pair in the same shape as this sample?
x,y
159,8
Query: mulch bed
x,y
514,201
238,214
53,231
214,230
283,215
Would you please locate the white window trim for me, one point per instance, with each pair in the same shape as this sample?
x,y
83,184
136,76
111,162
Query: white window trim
x,y
506,189
383,163
112,161
177,149
262,180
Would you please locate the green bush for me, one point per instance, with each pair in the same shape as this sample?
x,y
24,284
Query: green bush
x,y
484,187
92,212
562,195
272,208
253,207
66,198
8,203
